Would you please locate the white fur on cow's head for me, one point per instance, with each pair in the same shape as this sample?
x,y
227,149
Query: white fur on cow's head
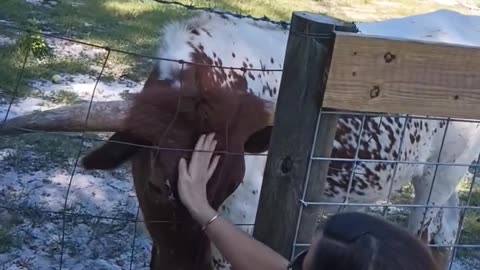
x,y
229,42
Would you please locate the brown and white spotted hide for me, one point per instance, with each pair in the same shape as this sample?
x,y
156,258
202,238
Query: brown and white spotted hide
x,y
227,41
409,141
173,119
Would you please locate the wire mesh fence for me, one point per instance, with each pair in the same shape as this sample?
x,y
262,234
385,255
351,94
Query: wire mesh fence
x,y
61,214
414,170
356,188
65,218
50,205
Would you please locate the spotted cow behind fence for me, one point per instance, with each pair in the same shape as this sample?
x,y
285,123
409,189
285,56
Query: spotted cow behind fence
x,y
227,41
262,45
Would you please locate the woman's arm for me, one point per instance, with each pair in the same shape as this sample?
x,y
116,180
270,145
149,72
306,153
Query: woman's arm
x,y
239,248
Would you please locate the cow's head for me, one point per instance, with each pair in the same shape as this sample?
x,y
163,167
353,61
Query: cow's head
x,y
157,127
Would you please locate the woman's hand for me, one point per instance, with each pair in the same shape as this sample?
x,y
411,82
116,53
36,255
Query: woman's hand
x,y
240,249
193,178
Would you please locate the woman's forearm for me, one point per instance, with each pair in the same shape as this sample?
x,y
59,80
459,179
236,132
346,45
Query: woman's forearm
x,y
239,248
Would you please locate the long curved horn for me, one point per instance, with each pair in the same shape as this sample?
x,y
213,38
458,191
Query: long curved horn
x,y
105,116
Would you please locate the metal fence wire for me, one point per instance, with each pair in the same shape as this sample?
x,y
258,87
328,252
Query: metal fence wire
x,y
394,207
389,158
67,214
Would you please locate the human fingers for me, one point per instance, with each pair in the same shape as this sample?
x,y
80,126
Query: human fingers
x,y
208,141
212,167
196,153
206,148
198,145
203,153
206,158
200,142
182,169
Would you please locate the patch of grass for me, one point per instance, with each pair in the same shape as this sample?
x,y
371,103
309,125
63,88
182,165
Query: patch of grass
x,y
61,97
66,97
471,229
122,24
14,10
54,66
44,151
8,238
10,67
40,151
11,64
51,143
38,46
133,25
464,189
14,61
470,234
350,10
40,64
405,196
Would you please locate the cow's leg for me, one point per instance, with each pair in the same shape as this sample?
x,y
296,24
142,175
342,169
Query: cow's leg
x,y
444,230
460,145
446,181
424,222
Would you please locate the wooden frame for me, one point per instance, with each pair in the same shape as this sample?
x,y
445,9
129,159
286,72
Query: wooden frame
x,y
328,66
306,64
375,74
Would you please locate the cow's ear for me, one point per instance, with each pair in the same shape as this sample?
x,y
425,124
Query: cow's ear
x,y
119,148
259,141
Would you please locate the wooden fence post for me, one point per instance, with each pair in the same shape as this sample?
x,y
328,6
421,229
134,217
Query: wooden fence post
x,y
306,66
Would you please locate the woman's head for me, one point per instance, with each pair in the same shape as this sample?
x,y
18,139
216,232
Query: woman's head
x,y
357,241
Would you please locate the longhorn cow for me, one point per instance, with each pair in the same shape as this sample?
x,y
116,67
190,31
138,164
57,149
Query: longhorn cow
x,y
181,100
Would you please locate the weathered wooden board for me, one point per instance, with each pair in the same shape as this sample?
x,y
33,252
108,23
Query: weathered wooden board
x,y
376,74
308,53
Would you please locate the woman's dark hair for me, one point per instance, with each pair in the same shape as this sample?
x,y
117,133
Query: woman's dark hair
x,y
358,241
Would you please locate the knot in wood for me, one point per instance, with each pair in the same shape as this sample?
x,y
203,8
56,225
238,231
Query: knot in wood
x,y
375,92
287,165
389,57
